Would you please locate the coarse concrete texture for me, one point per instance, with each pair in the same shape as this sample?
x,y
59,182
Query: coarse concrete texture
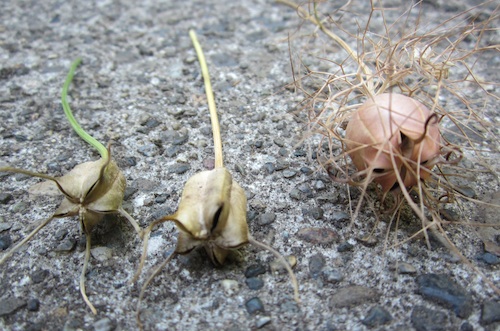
x,y
140,86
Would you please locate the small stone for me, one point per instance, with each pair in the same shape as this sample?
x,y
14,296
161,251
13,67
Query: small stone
x,y
377,316
101,253
130,161
315,212
104,324
466,326
151,123
179,168
263,321
4,226
5,242
331,275
267,218
5,198
254,305
344,247
254,283
352,296
39,276
171,151
424,319
161,198
283,152
443,290
72,325
340,216
181,140
299,153
9,305
490,312
258,144
255,270
148,150
230,286
306,171
280,142
316,264
269,167
304,188
319,185
406,268
289,173
282,165
66,245
295,194
490,258
33,305
321,236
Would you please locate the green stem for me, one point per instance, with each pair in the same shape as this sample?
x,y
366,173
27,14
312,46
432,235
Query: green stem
x,y
67,110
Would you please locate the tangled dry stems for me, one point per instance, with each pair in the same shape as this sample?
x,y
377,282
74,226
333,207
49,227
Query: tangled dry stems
x,y
435,65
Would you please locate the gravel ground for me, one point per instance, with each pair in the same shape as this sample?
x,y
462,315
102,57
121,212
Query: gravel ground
x,y
140,86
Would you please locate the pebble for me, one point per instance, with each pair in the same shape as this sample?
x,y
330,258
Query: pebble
x,y
179,168
39,276
181,140
295,194
466,326
255,270
230,286
5,198
148,150
345,247
280,142
8,305
299,153
331,275
60,234
151,123
130,161
161,198
4,226
254,305
263,321
66,245
443,290
315,212
289,173
490,258
340,216
306,171
319,185
104,324
352,296
316,264
269,167
281,165
72,325
377,316
171,151
33,305
258,144
406,268
322,236
490,312
424,319
267,218
254,283
304,188
101,253
5,242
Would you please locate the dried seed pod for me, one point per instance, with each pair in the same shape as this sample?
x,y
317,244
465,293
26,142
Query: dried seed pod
x,y
392,132
91,190
212,210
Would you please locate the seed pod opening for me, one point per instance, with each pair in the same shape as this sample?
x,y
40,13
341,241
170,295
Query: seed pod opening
x,y
392,132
